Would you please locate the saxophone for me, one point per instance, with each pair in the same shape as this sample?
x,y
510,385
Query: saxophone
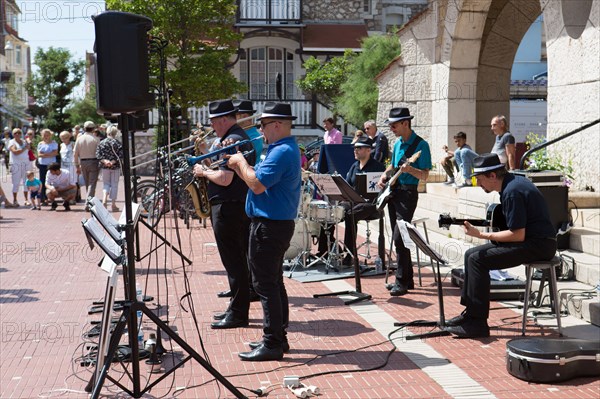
x,y
198,186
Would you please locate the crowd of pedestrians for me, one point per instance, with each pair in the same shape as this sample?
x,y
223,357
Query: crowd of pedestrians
x,y
47,166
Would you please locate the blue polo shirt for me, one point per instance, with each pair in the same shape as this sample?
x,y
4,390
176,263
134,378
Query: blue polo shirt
x,y
424,161
280,173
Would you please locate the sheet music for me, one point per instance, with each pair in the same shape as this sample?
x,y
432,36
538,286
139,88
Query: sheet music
x,y
404,227
325,184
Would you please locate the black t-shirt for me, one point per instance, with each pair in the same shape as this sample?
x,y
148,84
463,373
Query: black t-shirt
x,y
524,206
238,189
371,166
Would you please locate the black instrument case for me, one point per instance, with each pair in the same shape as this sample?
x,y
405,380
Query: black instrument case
x,y
550,360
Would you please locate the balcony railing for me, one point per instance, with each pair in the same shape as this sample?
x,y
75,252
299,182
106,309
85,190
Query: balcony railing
x,y
269,11
310,115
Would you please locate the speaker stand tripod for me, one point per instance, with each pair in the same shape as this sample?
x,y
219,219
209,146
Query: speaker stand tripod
x,y
128,319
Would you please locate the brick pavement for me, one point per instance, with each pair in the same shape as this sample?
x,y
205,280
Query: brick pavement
x,y
49,278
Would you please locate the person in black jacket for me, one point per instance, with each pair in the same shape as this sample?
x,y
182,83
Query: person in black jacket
x,y
529,237
363,211
227,196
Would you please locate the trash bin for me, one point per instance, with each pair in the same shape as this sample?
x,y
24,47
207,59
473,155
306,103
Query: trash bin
x,y
551,185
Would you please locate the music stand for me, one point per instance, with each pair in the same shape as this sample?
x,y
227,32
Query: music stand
x,y
347,193
422,244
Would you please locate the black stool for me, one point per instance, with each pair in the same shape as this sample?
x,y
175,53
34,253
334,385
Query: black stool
x,y
544,266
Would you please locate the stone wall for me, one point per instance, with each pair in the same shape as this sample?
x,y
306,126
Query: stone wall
x,y
331,10
574,91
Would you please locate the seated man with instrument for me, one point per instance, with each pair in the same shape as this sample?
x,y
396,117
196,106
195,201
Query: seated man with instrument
x,y
529,237
404,195
362,211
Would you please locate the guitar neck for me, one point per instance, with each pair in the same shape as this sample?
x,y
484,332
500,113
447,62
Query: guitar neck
x,y
474,222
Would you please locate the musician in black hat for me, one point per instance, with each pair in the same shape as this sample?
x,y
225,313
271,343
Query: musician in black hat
x,y
404,197
272,205
246,122
529,237
364,164
227,194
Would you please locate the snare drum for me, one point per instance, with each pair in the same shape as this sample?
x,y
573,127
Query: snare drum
x,y
318,211
300,240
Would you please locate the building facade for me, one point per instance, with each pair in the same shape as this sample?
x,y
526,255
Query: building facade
x,y
15,67
279,35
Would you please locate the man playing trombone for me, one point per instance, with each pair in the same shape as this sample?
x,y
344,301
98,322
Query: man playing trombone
x,y
227,195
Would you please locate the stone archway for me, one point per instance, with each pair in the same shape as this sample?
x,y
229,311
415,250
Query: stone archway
x,y
455,68
506,23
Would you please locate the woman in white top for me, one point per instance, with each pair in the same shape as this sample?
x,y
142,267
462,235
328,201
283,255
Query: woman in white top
x,y
19,163
67,160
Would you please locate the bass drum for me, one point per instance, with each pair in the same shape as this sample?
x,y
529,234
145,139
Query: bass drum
x,y
300,240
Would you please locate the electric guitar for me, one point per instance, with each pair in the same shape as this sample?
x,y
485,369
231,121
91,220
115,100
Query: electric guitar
x,y
494,219
384,196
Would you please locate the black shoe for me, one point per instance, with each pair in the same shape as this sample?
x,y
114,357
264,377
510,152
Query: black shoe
x,y
225,294
285,346
67,206
410,286
458,320
219,316
229,321
261,354
254,297
54,206
471,328
399,289
348,261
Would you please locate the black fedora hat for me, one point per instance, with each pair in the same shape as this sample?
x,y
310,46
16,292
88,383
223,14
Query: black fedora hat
x,y
363,142
398,114
244,106
221,108
277,111
486,163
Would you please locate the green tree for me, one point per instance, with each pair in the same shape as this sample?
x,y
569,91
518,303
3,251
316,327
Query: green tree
x,y
324,79
52,85
85,109
201,45
359,94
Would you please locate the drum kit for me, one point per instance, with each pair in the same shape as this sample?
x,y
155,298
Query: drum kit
x,y
314,215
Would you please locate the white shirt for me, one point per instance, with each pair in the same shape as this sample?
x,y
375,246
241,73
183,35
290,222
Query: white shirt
x,y
59,182
18,158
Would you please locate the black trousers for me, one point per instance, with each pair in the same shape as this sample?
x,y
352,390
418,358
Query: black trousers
x,y
404,203
43,170
231,228
269,239
480,260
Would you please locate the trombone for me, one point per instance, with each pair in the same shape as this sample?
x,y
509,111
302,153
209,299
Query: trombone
x,y
230,149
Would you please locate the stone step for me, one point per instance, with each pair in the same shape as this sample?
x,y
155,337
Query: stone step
x,y
586,217
585,240
582,307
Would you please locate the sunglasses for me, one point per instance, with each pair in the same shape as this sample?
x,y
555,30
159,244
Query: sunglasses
x,y
263,125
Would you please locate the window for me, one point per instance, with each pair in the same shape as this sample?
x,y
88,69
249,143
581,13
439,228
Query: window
x,y
367,6
18,51
259,68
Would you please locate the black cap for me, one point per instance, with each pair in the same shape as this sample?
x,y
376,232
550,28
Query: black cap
x,y
277,111
244,106
486,163
221,108
364,142
398,114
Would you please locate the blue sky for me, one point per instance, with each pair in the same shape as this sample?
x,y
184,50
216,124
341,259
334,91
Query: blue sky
x,y
59,23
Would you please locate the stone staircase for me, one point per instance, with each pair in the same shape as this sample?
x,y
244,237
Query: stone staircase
x,y
471,203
